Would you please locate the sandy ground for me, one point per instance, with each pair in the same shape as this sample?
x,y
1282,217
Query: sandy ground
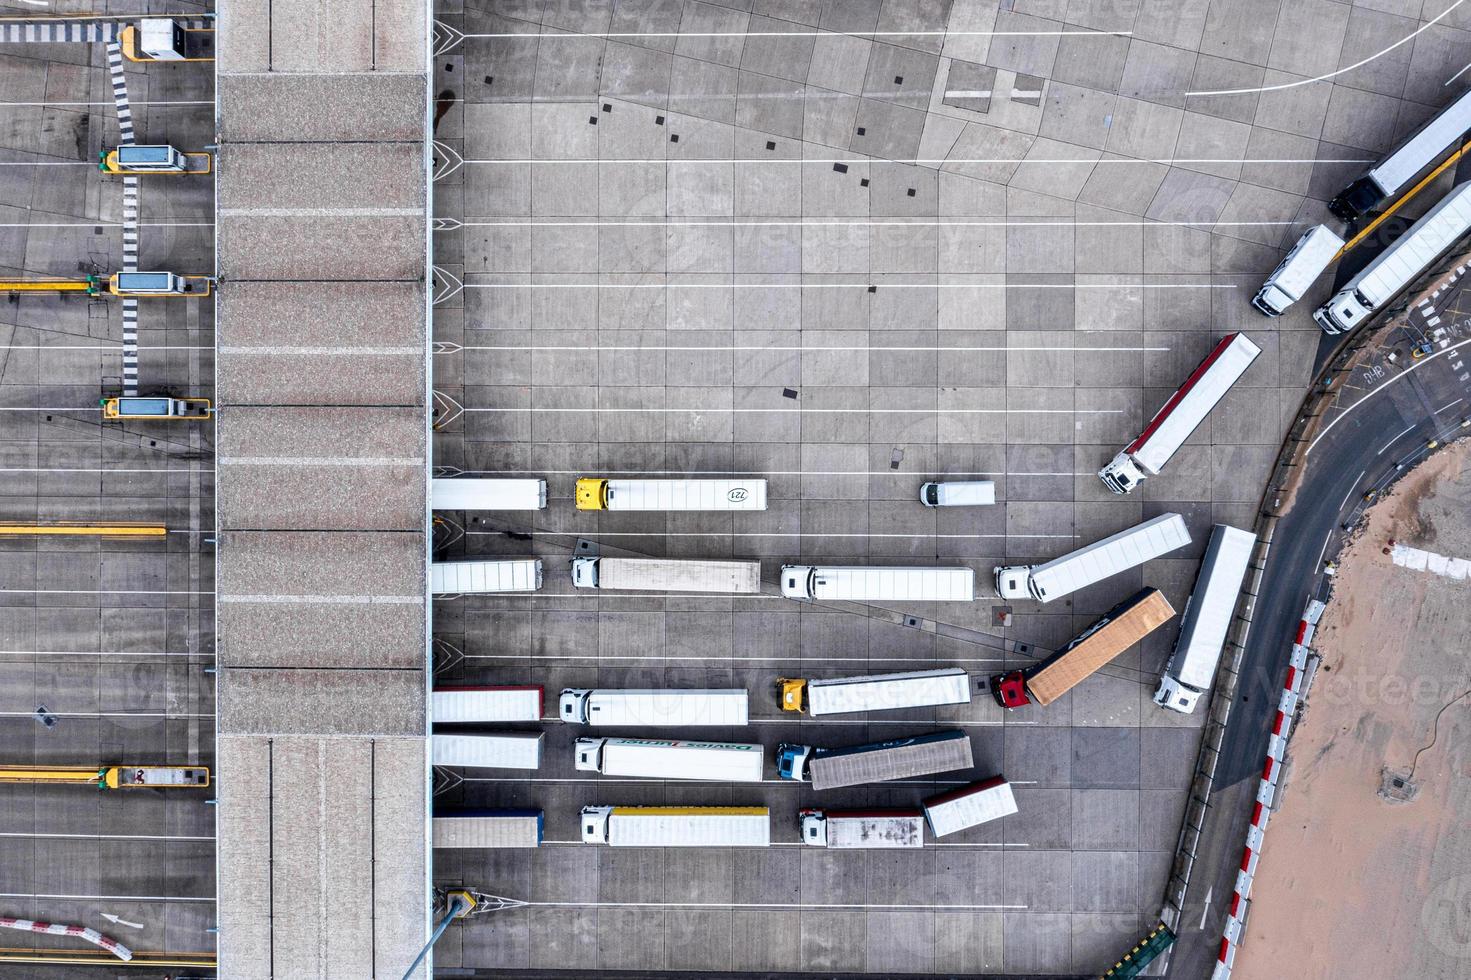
x,y
1352,885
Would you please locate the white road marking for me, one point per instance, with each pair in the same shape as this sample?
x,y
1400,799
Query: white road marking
x,y
1326,538
797,843
111,714
1206,911
758,905
766,534
585,470
838,285
1343,503
931,661
803,410
1448,405
612,780
931,161
780,347
1396,439
1403,374
104,836
102,592
587,35
110,898
121,922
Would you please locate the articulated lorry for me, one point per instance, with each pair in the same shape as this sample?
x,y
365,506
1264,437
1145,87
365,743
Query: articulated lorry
x,y
1299,269
655,709
1207,618
1120,628
677,826
732,762
479,493
1180,415
867,583
876,692
862,828
487,828
485,576
501,751
599,494
667,575
466,705
1095,562
877,762
969,806
1441,133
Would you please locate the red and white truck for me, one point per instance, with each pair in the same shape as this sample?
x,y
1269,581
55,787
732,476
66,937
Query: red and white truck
x,y
1181,414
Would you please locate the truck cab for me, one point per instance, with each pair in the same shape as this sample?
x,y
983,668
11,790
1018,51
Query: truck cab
x,y
1121,475
796,581
1011,581
1342,312
585,573
1010,690
814,827
595,824
170,409
591,494
791,761
1175,695
572,705
793,693
589,757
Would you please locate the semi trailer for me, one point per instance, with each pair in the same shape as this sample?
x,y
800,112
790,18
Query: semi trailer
x,y
867,583
466,705
1299,269
480,493
1207,618
1443,131
599,494
877,762
1180,415
969,806
1095,562
655,709
677,826
487,828
485,576
667,575
862,828
876,692
732,762
1120,628
519,750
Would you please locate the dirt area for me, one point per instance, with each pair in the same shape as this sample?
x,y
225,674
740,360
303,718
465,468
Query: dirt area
x,y
1352,883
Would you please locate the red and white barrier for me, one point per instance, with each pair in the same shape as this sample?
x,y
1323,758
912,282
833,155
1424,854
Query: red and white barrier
x,y
58,929
1266,793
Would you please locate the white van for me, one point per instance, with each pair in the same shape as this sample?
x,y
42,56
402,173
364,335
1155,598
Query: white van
x,y
958,493
1312,254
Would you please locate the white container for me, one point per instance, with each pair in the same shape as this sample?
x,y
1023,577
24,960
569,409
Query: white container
x,y
480,493
1207,619
745,494
507,751
958,493
485,577
882,692
866,829
877,583
655,709
1095,562
1396,170
677,826
1301,267
462,705
969,806
667,575
487,828
731,762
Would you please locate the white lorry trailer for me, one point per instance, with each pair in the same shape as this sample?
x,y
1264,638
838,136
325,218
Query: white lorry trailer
x,y
677,826
467,705
502,751
655,709
1094,563
1395,171
877,762
862,828
1395,268
1207,618
667,575
1299,269
867,583
969,806
731,762
479,493
1181,414
876,692
487,828
599,494
485,576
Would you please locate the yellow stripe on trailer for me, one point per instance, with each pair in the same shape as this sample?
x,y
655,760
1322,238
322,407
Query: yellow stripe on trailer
x,y
48,286
75,775
87,957
69,529
691,811
1388,212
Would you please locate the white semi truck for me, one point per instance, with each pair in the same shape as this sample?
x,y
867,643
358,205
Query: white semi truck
x,y
667,575
1181,414
970,806
862,828
468,705
731,762
598,494
1207,618
485,576
655,709
1094,563
501,751
480,493
876,762
487,828
868,583
876,692
677,826
1299,269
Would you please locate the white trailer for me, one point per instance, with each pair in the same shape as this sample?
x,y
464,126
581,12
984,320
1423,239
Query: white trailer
x,y
480,493
969,806
599,494
1181,414
1094,563
464,705
655,709
487,828
667,575
1431,141
1393,269
731,762
861,583
677,826
876,692
1207,618
487,576
1299,269
502,751
862,828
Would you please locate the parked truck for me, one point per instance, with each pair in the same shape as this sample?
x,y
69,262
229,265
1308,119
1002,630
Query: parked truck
x,y
867,583
481,493
969,806
655,709
1095,562
1299,269
1120,628
599,494
1441,133
732,762
862,828
519,750
487,828
667,575
876,692
877,762
1207,617
677,826
465,705
485,576
1181,414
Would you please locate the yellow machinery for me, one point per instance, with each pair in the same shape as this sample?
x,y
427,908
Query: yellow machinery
x,y
164,39
139,285
109,529
91,285
128,408
110,777
591,494
101,957
144,160
793,693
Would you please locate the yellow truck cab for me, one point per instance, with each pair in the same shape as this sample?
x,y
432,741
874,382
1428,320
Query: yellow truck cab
x,y
161,158
164,408
592,494
793,693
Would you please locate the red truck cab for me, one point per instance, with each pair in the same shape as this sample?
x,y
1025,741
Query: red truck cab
x,y
1010,690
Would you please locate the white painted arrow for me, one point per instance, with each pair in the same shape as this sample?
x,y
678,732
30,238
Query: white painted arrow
x,y
121,922
1207,910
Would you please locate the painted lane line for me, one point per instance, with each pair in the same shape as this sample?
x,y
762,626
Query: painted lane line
x,y
839,285
1343,503
546,532
1396,439
10,833
930,161
757,905
111,714
111,898
726,658
1403,374
797,843
586,469
1448,405
855,222
780,347
801,410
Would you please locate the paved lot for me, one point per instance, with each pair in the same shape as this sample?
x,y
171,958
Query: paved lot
x,y
827,244
112,638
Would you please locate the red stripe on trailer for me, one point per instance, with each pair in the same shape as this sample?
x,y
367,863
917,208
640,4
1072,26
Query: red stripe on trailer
x,y
1277,725
492,687
967,790
1302,631
830,814
1225,949
1180,393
